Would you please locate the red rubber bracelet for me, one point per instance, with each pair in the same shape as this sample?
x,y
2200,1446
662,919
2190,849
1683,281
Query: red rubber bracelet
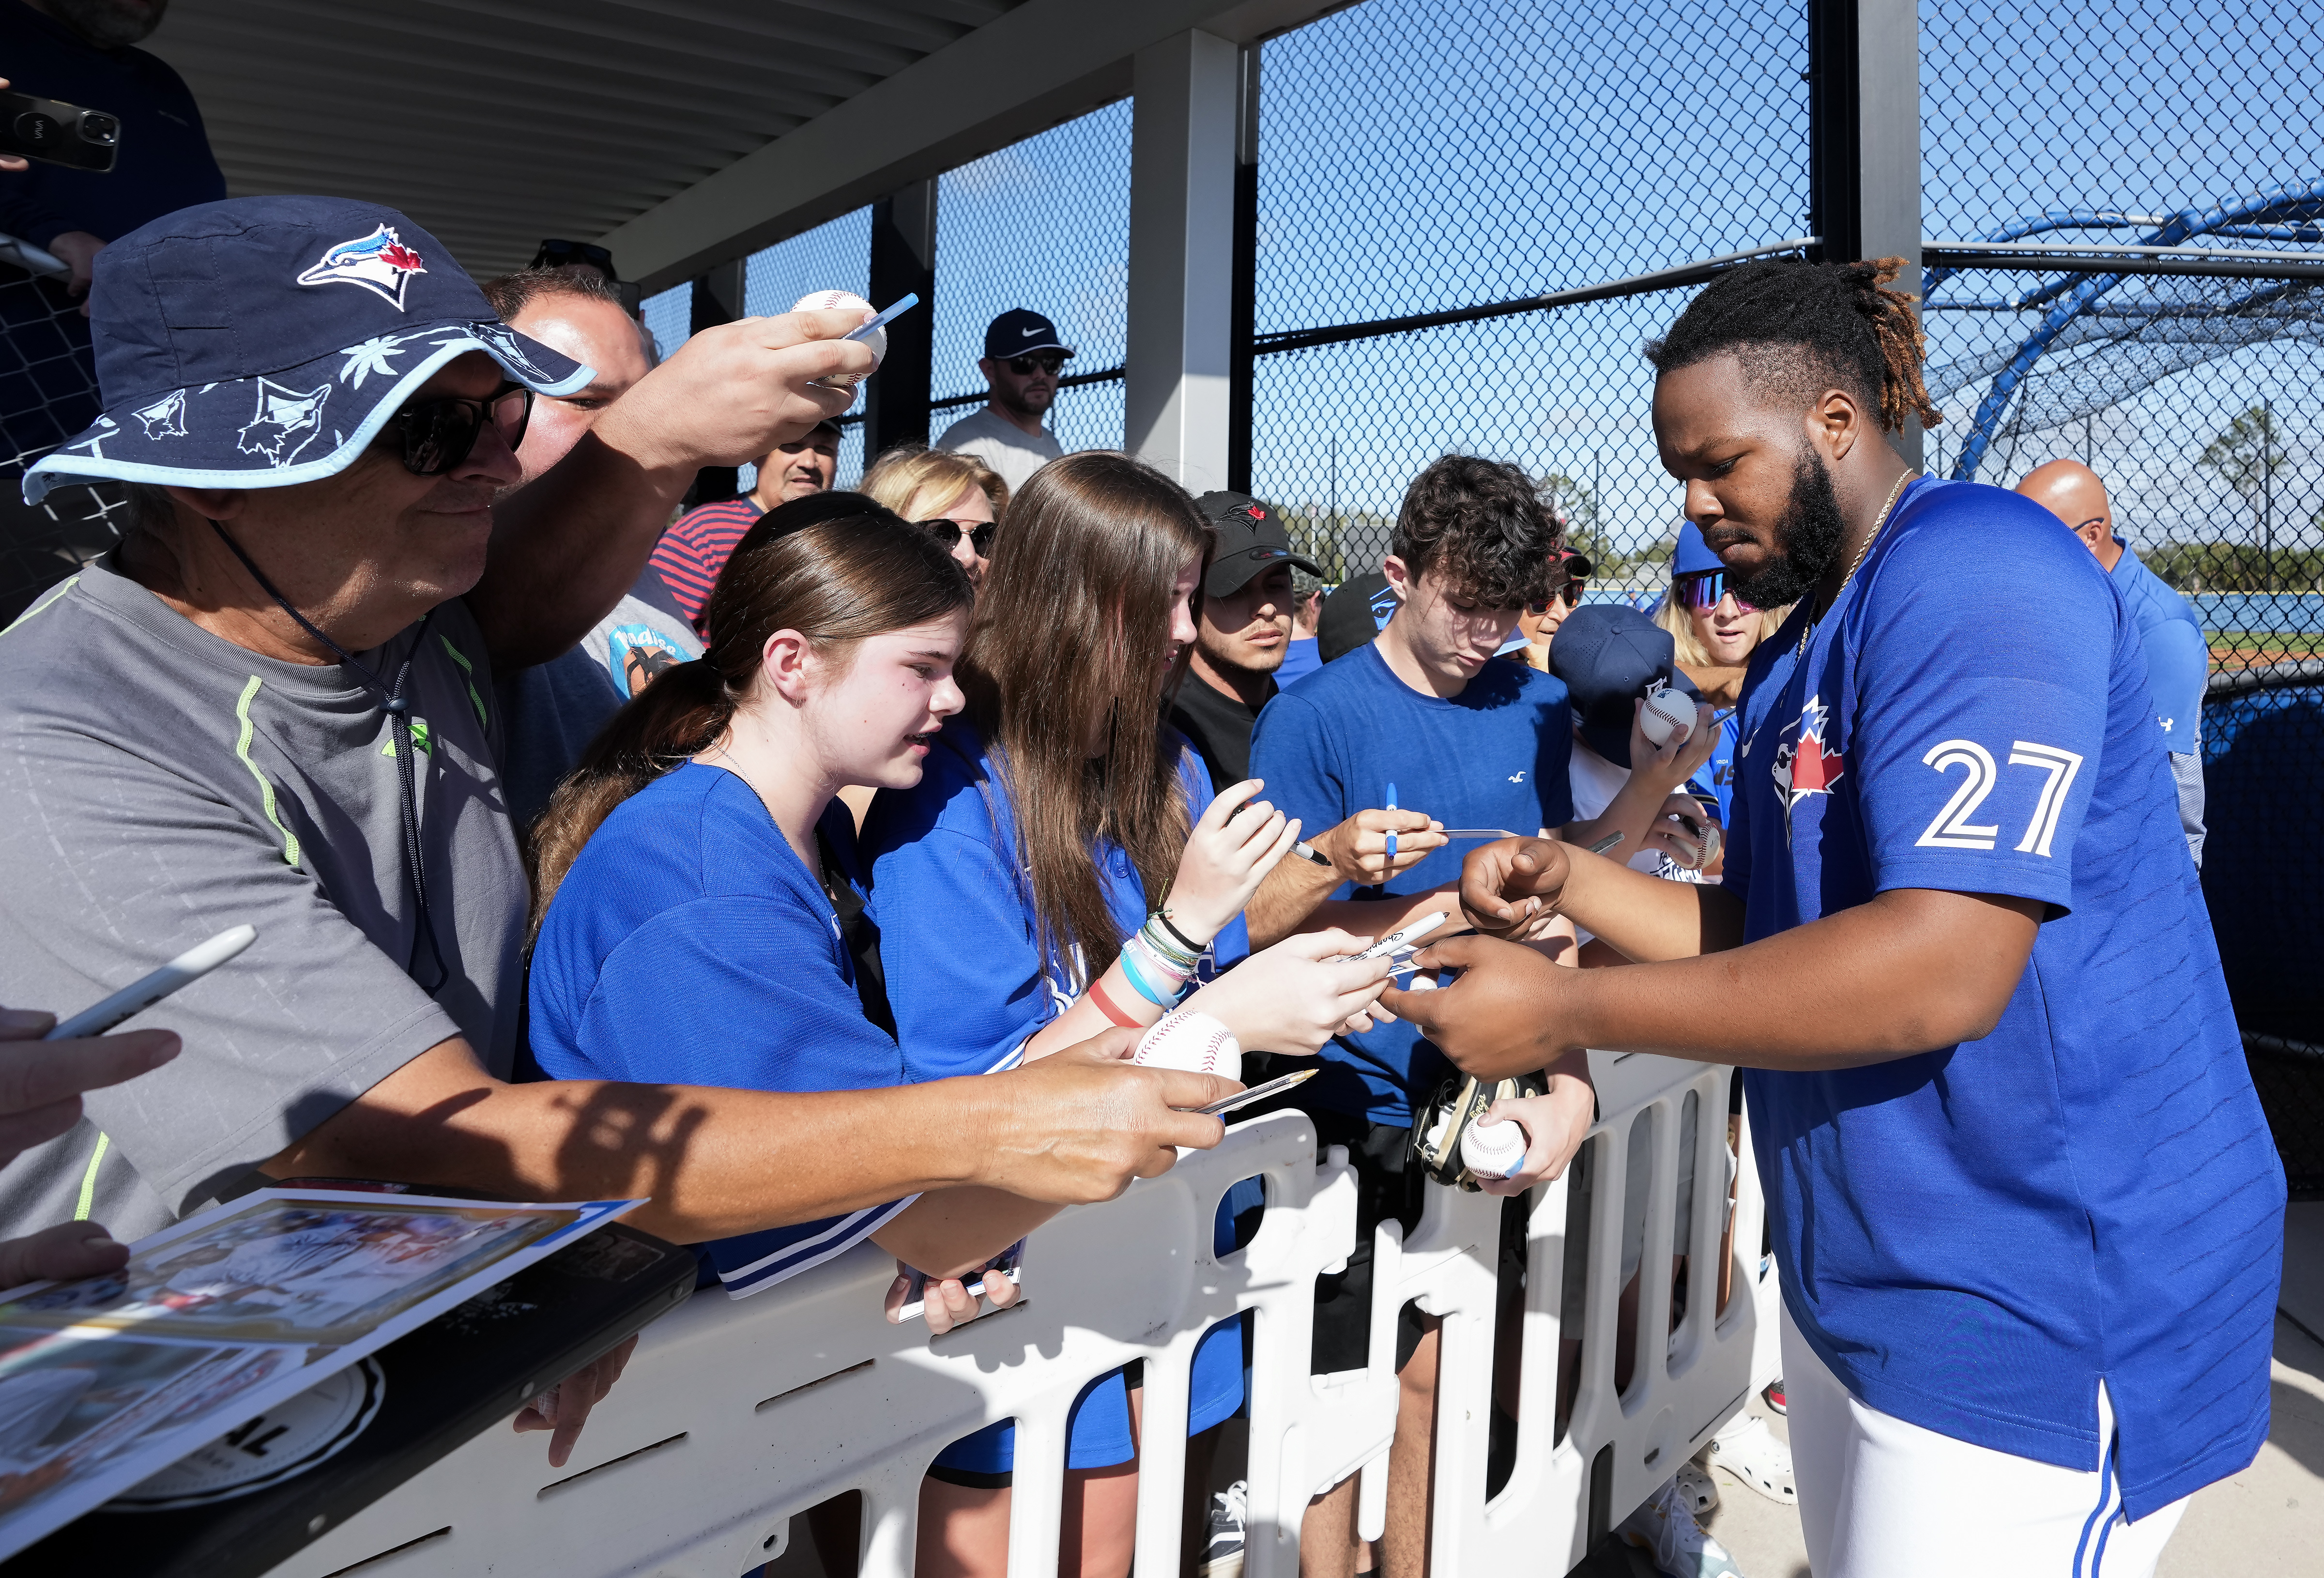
x,y
1105,1005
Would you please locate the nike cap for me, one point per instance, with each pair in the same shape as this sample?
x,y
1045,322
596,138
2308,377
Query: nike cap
x,y
1021,329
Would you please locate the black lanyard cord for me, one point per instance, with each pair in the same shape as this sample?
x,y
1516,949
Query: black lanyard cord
x,y
396,705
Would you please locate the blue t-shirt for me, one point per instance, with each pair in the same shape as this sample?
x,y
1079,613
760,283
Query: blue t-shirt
x,y
970,985
1973,1238
1493,756
2178,657
689,946
1302,656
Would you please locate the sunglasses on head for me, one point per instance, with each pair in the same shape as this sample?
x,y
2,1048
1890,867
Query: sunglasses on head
x,y
949,532
1699,590
556,255
440,431
1031,361
1577,569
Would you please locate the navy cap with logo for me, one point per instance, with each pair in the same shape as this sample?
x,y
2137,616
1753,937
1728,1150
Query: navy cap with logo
x,y
1608,654
262,342
1021,329
1353,615
1251,539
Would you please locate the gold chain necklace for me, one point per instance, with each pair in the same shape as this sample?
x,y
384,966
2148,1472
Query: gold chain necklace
x,y
1878,521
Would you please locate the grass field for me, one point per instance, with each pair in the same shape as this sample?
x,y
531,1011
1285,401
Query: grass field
x,y
2250,649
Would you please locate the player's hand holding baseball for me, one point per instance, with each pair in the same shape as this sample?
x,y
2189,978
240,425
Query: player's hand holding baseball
x,y
1499,1016
1233,846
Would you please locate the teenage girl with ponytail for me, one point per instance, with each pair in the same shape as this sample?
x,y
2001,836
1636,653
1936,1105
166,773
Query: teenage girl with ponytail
x,y
1065,866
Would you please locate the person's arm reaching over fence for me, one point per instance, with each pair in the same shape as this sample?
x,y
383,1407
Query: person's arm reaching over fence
x,y
566,547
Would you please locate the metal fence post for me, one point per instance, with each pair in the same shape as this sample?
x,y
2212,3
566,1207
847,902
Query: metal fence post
x,y
1245,307
903,259
1864,140
717,298
1182,257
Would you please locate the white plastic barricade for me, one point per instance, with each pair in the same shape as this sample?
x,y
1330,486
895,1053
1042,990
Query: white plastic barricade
x,y
733,1416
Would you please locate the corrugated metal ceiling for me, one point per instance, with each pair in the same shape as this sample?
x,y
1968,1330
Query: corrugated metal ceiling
x,y
497,123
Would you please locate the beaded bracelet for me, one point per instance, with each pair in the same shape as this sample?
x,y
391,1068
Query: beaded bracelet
x,y
1166,949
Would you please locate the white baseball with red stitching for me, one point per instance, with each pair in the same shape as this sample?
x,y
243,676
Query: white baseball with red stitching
x,y
839,300
1493,1150
1193,1042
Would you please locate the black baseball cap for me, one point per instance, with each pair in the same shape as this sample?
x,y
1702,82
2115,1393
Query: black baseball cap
x,y
1608,654
1251,537
1019,330
1353,615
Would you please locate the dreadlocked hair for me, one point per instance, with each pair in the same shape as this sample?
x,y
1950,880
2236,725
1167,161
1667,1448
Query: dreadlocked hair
x,y
1801,328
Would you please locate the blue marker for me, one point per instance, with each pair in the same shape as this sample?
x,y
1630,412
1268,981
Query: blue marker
x,y
1391,838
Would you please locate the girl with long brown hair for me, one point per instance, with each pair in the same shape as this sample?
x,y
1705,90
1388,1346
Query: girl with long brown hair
x,y
1063,865
694,874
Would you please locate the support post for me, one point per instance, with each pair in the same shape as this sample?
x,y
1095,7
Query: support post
x,y
717,298
1864,140
1244,326
1182,257
903,259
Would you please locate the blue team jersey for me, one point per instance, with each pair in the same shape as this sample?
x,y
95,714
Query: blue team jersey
x,y
970,983
689,946
1974,1238
1714,781
2178,657
1494,756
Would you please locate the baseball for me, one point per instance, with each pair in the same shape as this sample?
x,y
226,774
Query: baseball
x,y
834,301
1493,1149
1668,715
1195,1042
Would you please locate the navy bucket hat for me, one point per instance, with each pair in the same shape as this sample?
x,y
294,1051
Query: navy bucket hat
x,y
1608,654
262,342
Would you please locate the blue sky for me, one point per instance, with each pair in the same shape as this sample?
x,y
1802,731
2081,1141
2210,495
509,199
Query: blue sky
x,y
1423,155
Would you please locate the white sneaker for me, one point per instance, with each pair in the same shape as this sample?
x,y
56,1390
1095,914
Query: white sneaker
x,y
1666,1528
1222,1556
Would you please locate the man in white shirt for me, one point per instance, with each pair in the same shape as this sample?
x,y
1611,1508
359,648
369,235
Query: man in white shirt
x,y
1022,358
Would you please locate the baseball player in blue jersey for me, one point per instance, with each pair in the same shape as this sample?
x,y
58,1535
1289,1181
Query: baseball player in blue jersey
x,y
2026,1212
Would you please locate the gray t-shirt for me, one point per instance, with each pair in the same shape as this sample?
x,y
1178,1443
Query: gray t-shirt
x,y
164,784
554,709
1003,444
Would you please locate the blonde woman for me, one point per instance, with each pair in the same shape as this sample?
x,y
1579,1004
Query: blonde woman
x,y
957,496
1715,632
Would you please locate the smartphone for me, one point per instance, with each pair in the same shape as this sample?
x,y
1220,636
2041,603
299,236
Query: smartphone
x,y
56,132
918,1306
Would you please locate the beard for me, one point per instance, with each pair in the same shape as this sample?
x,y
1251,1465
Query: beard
x,y
1808,539
107,23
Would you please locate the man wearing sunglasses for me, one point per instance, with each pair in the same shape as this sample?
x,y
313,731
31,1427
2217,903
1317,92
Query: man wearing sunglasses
x,y
274,705
1023,356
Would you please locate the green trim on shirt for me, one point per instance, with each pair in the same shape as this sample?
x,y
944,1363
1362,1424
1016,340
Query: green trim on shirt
x,y
66,585
468,670
88,1178
419,739
265,787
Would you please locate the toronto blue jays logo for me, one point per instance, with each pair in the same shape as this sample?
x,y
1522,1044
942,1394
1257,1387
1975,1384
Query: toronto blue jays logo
x,y
286,421
514,351
166,417
379,263
1804,764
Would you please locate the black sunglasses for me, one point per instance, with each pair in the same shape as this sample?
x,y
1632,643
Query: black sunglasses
x,y
949,532
1577,569
441,431
556,255
1025,366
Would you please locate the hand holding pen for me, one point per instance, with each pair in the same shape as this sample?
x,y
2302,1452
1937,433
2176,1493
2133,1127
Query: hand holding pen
x,y
1371,846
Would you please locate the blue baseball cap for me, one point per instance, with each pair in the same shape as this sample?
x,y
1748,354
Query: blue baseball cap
x,y
1693,554
1608,654
262,342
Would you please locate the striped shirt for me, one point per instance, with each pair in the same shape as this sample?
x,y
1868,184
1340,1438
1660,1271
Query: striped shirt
x,y
696,546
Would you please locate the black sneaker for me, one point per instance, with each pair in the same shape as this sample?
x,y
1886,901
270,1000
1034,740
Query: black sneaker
x,y
1223,1557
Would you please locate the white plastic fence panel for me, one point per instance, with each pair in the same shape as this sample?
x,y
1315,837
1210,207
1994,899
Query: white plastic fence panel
x,y
734,1416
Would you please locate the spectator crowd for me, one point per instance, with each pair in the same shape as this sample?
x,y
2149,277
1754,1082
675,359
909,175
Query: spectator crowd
x,y
601,846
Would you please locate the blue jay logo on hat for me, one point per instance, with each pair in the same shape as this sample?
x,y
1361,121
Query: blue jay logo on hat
x,y
379,263
286,422
166,417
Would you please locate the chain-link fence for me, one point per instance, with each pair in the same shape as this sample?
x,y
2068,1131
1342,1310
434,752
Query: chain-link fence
x,y
48,392
1043,223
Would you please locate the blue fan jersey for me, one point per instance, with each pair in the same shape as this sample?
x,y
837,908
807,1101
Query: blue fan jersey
x,y
1974,1238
